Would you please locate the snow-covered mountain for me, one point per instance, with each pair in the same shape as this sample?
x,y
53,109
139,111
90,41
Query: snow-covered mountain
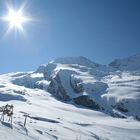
x,y
74,98
81,81
131,63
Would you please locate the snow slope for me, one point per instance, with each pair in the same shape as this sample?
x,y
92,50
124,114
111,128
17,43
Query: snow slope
x,y
51,119
87,96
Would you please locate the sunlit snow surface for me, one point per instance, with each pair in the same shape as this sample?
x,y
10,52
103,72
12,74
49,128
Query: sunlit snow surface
x,y
51,119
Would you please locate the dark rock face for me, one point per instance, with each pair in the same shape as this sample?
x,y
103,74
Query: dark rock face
x,y
120,106
77,86
57,89
39,86
87,102
137,118
47,70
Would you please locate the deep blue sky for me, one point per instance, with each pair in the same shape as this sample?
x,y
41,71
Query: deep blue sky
x,y
100,30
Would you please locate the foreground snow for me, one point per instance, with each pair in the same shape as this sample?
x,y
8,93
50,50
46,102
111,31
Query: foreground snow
x,y
51,119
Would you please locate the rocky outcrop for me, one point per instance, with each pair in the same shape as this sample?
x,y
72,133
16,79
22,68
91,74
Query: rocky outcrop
x,y
87,102
76,84
121,107
57,90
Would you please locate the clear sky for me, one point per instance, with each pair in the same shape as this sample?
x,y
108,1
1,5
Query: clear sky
x,y
100,30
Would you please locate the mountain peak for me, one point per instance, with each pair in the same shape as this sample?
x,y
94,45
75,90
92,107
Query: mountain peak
x,y
76,60
128,63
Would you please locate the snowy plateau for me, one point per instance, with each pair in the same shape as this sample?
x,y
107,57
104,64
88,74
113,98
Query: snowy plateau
x,y
74,98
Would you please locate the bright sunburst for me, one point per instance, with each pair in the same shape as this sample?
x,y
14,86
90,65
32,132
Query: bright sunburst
x,y
15,19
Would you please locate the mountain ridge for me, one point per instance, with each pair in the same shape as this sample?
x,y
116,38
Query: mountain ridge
x,y
129,63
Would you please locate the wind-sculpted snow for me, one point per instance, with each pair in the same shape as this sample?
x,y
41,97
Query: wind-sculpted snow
x,y
32,80
124,92
9,97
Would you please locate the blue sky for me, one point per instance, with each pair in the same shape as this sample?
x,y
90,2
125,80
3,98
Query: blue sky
x,y
100,30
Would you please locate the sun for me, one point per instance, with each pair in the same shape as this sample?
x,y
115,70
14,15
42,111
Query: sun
x,y
15,19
